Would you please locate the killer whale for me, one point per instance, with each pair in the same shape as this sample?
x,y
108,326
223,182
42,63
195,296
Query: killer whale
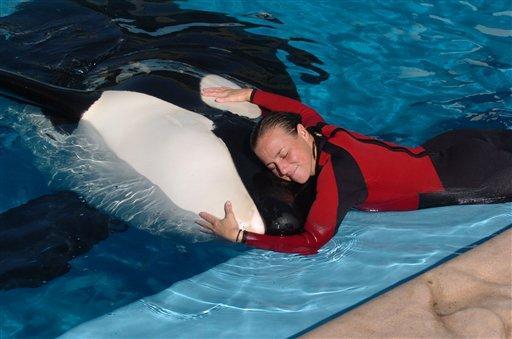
x,y
124,39
130,115
127,39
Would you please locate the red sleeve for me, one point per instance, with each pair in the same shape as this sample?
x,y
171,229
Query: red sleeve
x,y
320,226
279,103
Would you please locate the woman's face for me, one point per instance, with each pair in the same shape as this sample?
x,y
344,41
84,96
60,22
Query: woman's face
x,y
290,157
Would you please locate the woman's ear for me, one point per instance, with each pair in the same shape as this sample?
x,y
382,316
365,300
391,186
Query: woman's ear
x,y
302,131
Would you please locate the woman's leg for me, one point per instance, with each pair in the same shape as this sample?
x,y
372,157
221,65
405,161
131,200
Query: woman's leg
x,y
475,166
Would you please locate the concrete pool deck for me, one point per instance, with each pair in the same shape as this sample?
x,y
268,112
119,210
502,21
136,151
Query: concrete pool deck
x,y
470,295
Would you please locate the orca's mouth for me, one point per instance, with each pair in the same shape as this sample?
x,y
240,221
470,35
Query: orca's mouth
x,y
283,205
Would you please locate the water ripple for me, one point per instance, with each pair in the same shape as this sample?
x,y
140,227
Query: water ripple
x,y
83,164
506,33
172,29
168,313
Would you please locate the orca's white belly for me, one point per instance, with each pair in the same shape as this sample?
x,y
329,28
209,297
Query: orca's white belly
x,y
176,150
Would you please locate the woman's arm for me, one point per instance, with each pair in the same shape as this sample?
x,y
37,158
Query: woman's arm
x,y
279,103
323,220
270,101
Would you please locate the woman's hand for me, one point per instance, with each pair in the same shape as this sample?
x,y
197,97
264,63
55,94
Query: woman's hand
x,y
226,94
226,228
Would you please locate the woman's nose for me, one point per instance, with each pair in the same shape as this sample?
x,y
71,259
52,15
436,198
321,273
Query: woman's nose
x,y
282,168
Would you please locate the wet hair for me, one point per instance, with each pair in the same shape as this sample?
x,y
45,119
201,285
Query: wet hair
x,y
287,121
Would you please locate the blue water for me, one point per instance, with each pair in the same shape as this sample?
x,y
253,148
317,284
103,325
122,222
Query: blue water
x,y
403,71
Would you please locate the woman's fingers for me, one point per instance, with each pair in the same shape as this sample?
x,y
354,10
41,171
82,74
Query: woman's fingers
x,y
228,209
225,94
209,218
205,230
203,223
214,91
206,227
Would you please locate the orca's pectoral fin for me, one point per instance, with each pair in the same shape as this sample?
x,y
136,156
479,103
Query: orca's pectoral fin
x,y
40,237
66,103
245,109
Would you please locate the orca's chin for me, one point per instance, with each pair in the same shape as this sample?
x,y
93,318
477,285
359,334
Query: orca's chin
x,y
286,224
283,205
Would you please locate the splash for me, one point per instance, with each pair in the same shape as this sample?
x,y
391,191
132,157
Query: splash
x,y
82,163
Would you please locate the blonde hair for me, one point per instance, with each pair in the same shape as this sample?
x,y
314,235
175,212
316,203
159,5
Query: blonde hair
x,y
287,121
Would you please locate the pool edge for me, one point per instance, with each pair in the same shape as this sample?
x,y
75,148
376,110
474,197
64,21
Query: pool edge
x,y
320,328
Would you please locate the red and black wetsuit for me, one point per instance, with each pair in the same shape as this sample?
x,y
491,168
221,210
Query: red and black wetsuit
x,y
354,170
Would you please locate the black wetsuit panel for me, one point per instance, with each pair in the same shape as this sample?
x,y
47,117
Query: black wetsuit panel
x,y
475,166
348,179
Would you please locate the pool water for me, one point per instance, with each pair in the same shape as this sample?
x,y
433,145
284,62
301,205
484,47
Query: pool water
x,y
403,71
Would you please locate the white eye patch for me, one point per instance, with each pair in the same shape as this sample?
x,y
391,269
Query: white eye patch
x,y
245,109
